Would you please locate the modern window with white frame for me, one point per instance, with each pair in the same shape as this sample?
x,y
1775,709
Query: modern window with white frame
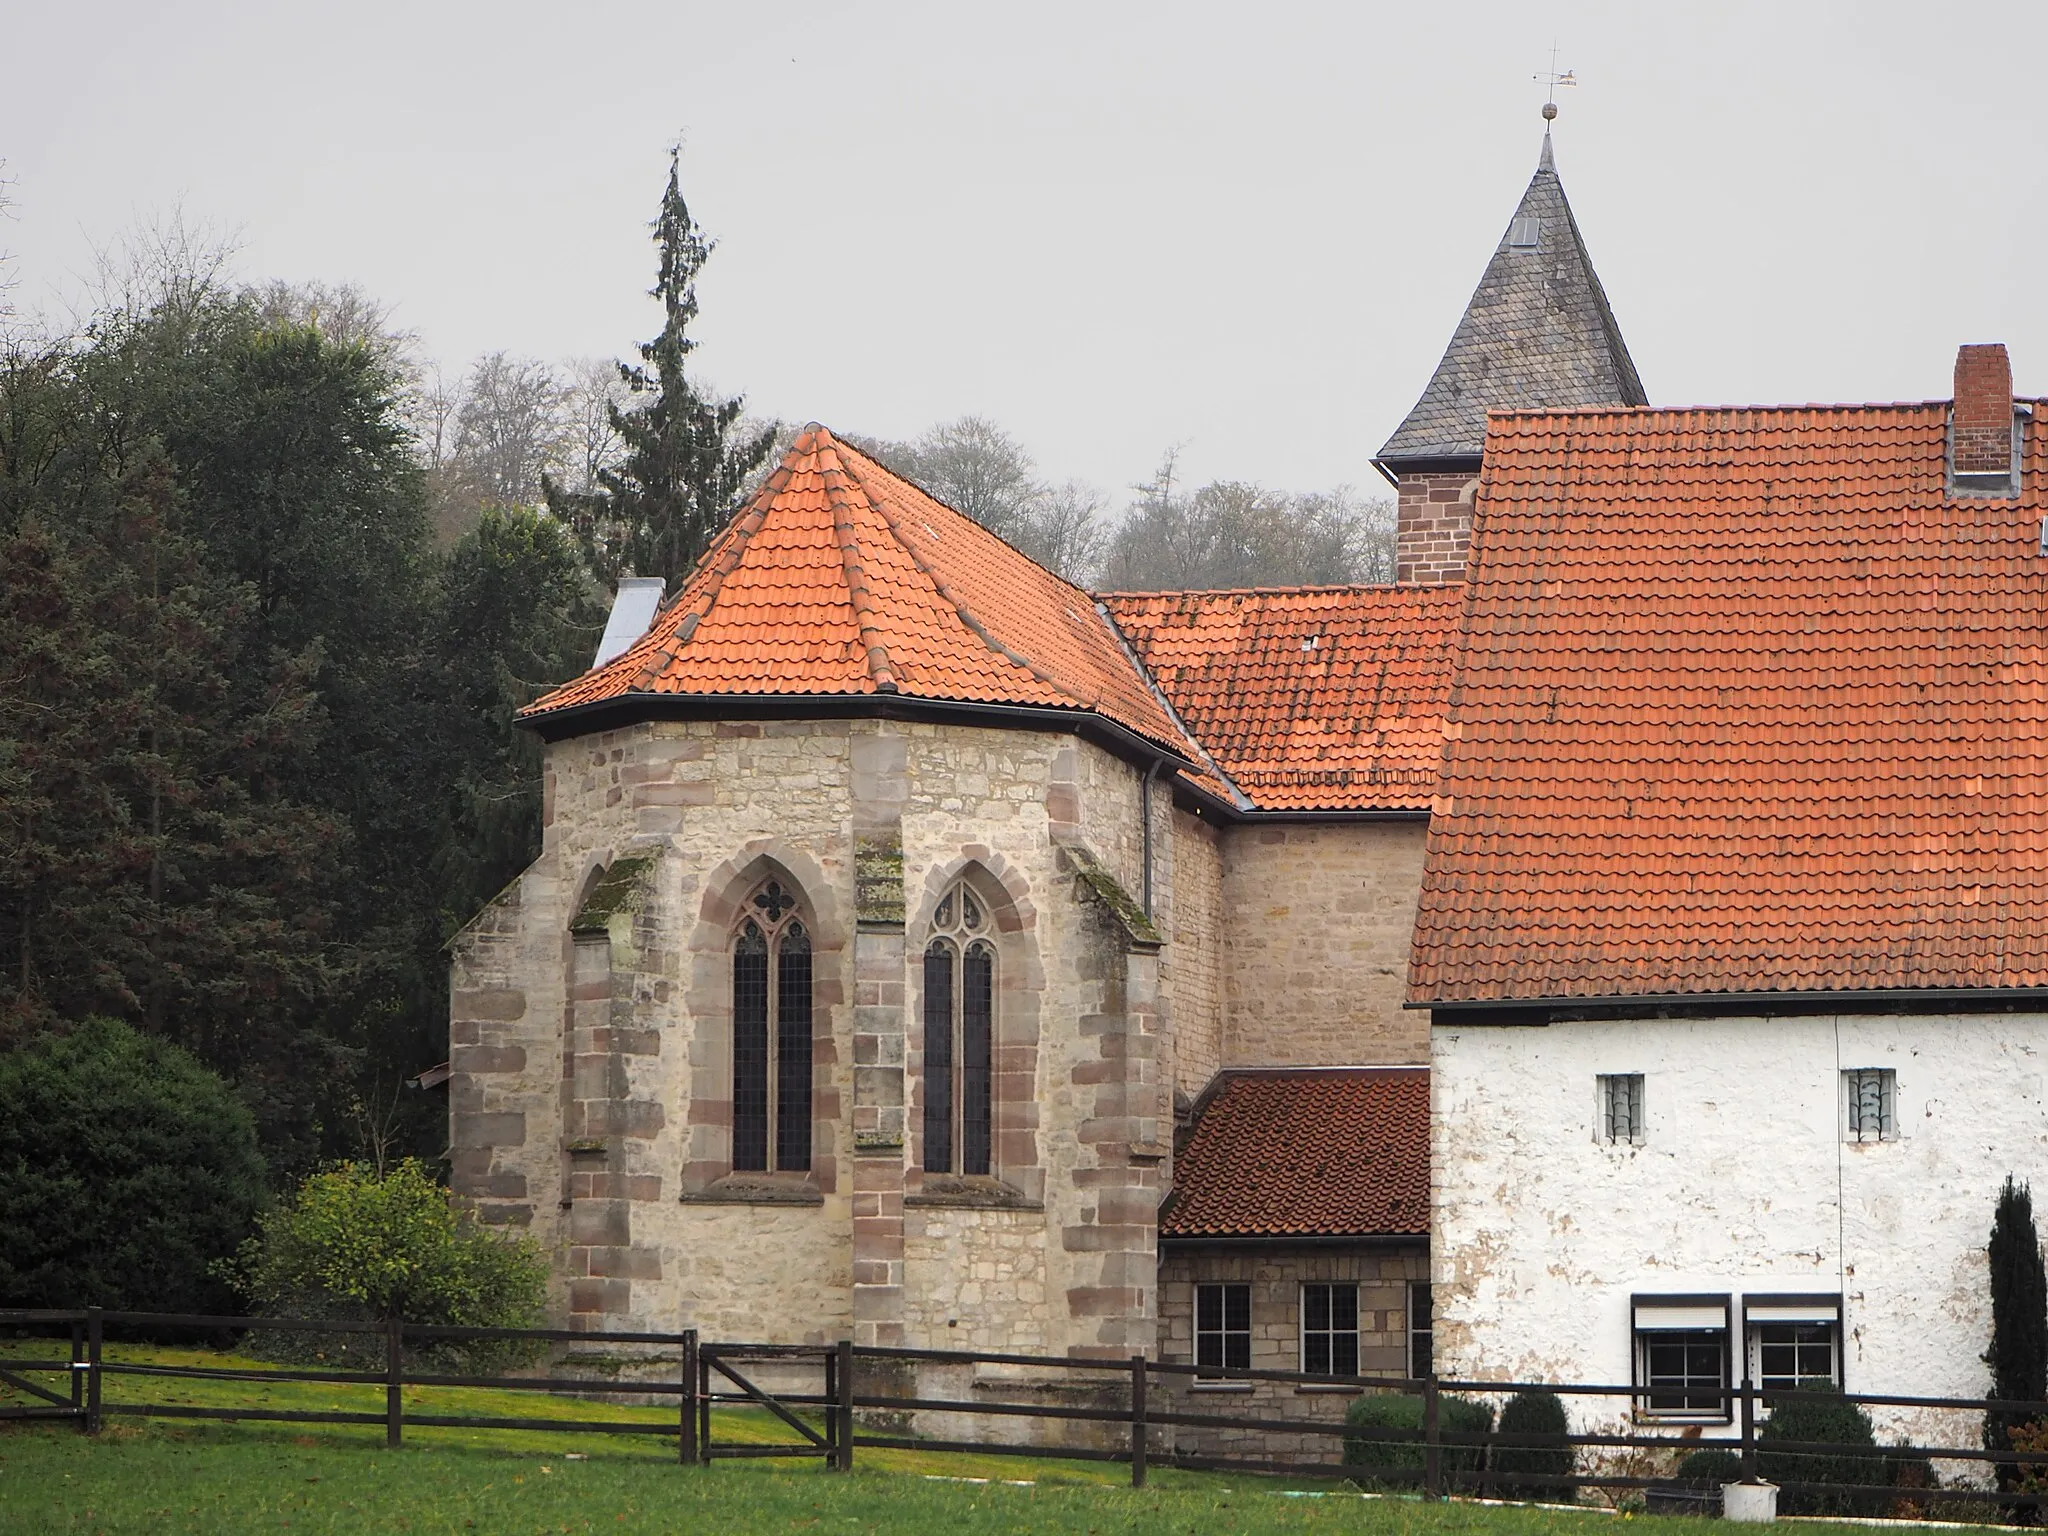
x,y
1793,1340
1621,1108
1870,1104
1681,1358
1329,1328
1223,1326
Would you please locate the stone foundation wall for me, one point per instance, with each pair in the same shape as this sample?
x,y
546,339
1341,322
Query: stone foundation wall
x,y
1315,944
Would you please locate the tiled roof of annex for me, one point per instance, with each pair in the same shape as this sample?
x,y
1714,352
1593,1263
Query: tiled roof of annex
x,y
1340,1152
1309,698
1748,703
840,578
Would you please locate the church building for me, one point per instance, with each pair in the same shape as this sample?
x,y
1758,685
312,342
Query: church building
x,y
926,951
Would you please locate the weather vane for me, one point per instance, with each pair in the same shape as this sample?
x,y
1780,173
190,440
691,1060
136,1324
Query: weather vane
x,y
1555,81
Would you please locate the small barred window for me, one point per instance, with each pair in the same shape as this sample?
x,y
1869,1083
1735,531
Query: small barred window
x,y
1621,1107
1870,1104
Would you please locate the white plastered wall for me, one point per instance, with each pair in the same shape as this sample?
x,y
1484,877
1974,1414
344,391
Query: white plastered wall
x,y
1743,1184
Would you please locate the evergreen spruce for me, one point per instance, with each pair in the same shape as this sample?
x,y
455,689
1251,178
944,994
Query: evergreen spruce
x,y
688,457
2019,1320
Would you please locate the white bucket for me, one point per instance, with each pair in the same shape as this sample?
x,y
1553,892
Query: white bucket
x,y
1749,1501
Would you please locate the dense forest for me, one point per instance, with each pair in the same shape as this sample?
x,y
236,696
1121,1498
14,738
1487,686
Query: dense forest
x,y
272,590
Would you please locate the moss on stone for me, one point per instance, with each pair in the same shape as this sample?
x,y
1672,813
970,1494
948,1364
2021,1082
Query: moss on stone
x,y
878,878
618,890
1098,881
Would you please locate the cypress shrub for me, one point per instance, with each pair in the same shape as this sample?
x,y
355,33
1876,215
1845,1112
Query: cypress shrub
x,y
1402,1448
127,1170
1715,1466
1829,1420
2019,1321
1535,1413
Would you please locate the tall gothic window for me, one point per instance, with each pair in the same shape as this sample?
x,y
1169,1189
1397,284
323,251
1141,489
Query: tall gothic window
x,y
959,1036
771,1036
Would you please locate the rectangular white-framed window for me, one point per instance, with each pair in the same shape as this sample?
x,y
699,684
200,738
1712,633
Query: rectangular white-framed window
x,y
1793,1340
1681,1358
1329,1328
1223,1326
1870,1104
1621,1108
1421,1329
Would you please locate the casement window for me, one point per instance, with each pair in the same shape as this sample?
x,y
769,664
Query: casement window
x,y
1681,1358
1621,1108
1329,1329
1870,1104
1793,1341
771,1036
1223,1327
959,1037
1421,1330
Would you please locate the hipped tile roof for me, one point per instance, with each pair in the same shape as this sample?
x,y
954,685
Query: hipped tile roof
x,y
1537,334
1309,698
840,578
1341,1153
1748,703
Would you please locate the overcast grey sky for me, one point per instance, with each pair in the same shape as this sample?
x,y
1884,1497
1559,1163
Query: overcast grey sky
x,y
1246,229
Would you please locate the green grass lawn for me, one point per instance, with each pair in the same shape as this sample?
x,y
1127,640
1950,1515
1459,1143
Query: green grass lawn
x,y
168,1475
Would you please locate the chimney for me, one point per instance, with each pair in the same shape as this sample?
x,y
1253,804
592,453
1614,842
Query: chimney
x,y
1981,431
633,609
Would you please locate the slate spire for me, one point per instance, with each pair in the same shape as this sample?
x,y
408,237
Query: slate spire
x,y
1538,333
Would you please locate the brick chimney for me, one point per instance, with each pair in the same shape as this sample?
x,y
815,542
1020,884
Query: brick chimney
x,y
1981,431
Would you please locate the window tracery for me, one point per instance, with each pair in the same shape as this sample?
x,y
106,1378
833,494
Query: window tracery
x,y
959,1036
771,1035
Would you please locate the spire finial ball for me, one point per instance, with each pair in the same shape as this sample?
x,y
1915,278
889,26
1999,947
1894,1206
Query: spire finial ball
x,y
1549,111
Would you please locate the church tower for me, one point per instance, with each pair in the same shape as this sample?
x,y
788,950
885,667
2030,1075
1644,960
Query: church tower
x,y
1538,334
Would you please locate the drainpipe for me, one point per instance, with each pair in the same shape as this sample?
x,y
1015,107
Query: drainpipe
x,y
1145,827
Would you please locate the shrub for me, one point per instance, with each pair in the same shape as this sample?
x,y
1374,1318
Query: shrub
x,y
1535,1413
1714,1466
1821,1416
1403,1448
127,1170
353,1244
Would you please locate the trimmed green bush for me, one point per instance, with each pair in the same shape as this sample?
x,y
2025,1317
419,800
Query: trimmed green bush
x,y
127,1170
1401,1447
1822,1419
355,1244
1535,1413
1714,1466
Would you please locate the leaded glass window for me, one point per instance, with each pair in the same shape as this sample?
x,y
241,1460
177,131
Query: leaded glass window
x,y
959,1037
771,1036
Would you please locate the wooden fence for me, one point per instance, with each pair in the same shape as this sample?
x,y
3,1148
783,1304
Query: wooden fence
x,y
1137,1407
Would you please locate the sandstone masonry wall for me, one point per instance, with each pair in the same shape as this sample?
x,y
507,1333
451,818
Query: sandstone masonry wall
x,y
1433,525
1317,920
1193,964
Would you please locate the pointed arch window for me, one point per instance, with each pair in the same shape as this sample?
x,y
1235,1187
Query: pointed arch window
x,y
771,1036
959,1037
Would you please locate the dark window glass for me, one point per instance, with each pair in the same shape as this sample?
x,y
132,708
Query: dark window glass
x,y
1685,1372
938,1056
793,1050
750,1049
1329,1330
1791,1353
1421,1331
977,1066
1223,1326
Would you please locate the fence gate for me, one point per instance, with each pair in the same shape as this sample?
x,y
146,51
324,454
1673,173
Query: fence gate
x,y
720,1379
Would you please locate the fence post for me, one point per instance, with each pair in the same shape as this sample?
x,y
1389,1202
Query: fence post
x,y
76,1384
1748,1426
94,1336
703,1406
1432,1443
394,1339
1137,1421
843,1455
686,1430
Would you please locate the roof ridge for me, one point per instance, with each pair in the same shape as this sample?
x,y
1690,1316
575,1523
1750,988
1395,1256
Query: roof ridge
x,y
837,481
1283,591
967,616
735,537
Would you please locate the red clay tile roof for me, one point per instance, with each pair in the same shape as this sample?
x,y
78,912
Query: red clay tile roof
x,y
1747,703
840,578
1340,1153
1310,698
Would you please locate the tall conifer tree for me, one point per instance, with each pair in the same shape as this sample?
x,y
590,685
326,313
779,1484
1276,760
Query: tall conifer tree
x,y
2019,1320
688,457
